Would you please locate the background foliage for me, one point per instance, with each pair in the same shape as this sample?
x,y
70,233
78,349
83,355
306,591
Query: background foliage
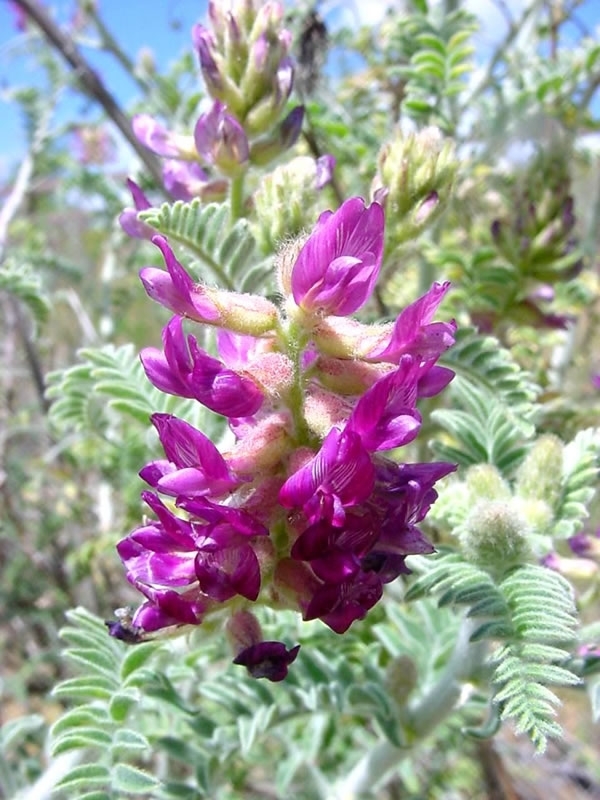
x,y
84,716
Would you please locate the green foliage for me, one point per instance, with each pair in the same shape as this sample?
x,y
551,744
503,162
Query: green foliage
x,y
21,281
440,58
486,364
108,385
228,251
483,429
581,463
531,611
543,616
19,740
493,405
171,700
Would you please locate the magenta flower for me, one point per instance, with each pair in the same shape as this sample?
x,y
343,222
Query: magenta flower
x,y
194,466
302,509
340,475
128,219
385,416
353,559
184,180
414,332
338,605
175,289
337,268
159,139
210,554
325,166
186,370
267,660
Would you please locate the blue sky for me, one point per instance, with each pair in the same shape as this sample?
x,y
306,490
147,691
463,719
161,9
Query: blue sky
x,y
165,30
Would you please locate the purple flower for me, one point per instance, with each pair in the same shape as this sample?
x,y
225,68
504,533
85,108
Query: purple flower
x,y
325,166
226,564
284,80
205,44
129,221
19,16
237,350
184,180
221,140
175,289
385,416
165,608
267,660
334,552
340,475
194,466
323,526
585,545
160,140
402,497
414,332
188,371
352,559
337,267
211,555
341,604
290,127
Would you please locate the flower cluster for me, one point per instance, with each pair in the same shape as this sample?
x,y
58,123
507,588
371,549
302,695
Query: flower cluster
x,y
306,510
248,72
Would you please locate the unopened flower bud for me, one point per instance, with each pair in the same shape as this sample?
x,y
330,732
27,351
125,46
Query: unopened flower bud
x,y
286,203
221,140
243,630
541,473
418,171
146,62
484,481
285,136
494,536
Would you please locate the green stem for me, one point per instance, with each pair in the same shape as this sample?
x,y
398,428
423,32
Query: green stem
x,y
294,344
423,717
236,199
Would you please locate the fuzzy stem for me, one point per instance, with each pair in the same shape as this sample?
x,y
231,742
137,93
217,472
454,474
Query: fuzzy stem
x,y
421,718
236,199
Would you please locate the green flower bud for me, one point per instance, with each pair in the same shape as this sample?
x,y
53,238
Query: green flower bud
x,y
495,535
540,475
485,481
286,202
416,173
537,513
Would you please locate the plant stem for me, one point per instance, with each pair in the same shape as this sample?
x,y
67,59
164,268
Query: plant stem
x,y
421,719
236,199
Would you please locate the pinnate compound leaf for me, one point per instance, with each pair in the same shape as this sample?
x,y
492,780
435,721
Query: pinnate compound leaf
x,y
131,780
205,231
